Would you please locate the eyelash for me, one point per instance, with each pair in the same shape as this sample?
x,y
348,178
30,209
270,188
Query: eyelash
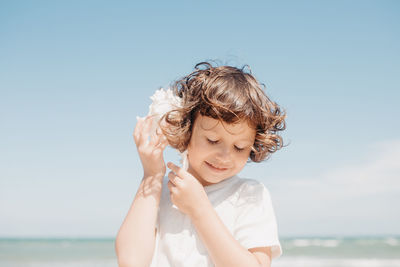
x,y
212,142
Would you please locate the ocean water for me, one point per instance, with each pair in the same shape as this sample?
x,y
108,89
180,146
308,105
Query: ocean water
x,y
340,252
298,252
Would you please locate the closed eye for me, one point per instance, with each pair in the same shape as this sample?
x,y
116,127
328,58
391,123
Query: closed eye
x,y
213,142
239,149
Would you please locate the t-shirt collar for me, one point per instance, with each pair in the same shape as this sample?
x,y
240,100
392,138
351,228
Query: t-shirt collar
x,y
224,183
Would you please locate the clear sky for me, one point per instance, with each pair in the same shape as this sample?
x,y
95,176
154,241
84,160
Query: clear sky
x,y
75,74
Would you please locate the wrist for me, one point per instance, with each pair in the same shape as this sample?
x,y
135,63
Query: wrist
x,y
151,185
157,175
200,211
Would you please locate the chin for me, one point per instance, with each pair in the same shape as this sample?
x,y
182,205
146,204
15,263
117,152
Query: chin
x,y
216,178
208,174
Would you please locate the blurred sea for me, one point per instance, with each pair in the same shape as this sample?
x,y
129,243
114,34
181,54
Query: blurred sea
x,y
297,252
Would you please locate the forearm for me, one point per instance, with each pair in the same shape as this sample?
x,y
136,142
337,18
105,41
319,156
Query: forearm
x,y
223,249
135,241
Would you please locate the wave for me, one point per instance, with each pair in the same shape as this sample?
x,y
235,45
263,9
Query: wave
x,y
336,242
316,242
85,263
318,262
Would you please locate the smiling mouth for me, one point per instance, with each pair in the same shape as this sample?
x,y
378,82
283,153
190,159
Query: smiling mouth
x,y
215,167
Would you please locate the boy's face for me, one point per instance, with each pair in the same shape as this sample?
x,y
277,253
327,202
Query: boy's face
x,y
218,150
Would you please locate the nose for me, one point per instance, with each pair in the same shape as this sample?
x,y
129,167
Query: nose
x,y
223,155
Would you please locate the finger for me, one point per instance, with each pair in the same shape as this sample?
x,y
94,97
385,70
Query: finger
x,y
138,129
158,130
171,187
144,135
156,135
154,140
173,178
176,169
163,142
159,148
169,184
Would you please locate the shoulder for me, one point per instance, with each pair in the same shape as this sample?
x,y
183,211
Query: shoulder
x,y
252,191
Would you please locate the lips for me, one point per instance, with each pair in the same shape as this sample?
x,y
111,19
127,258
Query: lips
x,y
216,168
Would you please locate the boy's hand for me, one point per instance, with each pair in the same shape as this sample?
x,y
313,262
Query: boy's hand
x,y
150,151
186,191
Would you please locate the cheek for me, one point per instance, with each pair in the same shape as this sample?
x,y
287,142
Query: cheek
x,y
196,150
241,163
241,160
199,146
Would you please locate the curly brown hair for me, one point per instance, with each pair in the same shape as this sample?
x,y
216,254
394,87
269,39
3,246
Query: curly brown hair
x,y
229,94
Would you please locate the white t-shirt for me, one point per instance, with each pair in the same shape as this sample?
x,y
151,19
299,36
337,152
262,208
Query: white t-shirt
x,y
244,205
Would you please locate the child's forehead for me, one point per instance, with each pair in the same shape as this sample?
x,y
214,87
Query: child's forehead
x,y
213,125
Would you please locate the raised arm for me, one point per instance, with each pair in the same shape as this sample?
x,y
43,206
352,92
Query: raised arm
x,y
189,196
135,241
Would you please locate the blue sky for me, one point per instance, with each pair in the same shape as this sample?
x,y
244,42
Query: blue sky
x,y
75,74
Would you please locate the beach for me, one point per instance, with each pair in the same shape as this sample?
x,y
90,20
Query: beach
x,y
297,252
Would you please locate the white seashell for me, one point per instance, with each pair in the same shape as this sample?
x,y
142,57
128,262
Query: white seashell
x,y
164,101
184,160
